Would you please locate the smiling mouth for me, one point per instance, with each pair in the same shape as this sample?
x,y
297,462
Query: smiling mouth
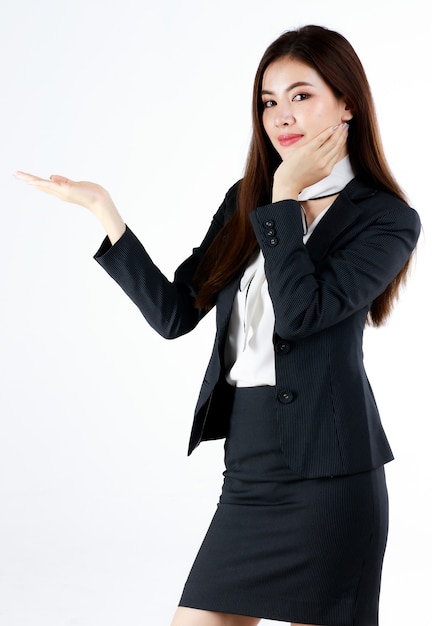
x,y
288,140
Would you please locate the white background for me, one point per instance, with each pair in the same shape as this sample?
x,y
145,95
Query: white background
x,y
101,512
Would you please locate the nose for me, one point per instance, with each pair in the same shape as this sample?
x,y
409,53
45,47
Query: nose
x,y
284,118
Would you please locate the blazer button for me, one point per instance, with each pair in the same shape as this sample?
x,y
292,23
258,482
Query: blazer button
x,y
273,241
283,347
270,232
286,397
268,224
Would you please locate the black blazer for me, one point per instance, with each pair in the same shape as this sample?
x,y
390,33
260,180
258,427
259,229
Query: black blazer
x,y
321,293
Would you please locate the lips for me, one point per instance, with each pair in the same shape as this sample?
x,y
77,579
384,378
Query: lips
x,y
288,139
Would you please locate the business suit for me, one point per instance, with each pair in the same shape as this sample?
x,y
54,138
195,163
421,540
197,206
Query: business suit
x,y
300,530
321,293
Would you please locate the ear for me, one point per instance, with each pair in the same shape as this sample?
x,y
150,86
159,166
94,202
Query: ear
x,y
348,112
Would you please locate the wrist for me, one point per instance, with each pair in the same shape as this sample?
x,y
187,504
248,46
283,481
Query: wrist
x,y
106,212
101,204
284,194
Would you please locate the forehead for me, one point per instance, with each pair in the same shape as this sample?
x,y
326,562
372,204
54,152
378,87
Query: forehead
x,y
289,71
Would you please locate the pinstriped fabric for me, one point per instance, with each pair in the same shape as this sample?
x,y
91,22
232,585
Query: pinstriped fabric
x,y
300,530
321,292
284,547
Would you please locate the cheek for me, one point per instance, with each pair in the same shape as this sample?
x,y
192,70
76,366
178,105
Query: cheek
x,y
325,117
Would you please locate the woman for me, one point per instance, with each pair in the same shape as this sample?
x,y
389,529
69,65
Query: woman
x,y
312,243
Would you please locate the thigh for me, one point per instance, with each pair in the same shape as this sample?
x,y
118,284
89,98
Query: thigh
x,y
196,617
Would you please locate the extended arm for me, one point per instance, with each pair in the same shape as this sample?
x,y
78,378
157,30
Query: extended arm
x,y
167,305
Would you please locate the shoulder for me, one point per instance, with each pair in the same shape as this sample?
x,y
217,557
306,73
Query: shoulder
x,y
228,206
375,203
231,197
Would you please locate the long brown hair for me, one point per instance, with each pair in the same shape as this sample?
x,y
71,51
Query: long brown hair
x,y
333,57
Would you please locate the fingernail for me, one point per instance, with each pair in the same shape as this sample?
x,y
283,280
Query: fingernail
x,y
345,126
335,127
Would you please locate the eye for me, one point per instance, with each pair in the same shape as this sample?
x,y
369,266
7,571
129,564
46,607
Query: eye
x,y
301,96
267,104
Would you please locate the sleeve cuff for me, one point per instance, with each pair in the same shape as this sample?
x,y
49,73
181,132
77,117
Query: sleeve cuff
x,y
106,245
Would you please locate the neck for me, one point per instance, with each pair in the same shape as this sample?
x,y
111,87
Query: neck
x,y
313,208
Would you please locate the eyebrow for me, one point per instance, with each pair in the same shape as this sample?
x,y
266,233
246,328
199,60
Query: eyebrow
x,y
299,83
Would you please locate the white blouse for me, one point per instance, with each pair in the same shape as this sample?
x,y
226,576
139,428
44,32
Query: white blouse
x,y
249,352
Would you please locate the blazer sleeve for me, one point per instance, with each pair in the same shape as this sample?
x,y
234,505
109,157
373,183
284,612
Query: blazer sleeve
x,y
168,306
309,297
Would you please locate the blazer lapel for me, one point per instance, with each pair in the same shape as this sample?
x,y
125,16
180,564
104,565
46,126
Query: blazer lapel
x,y
344,211
224,302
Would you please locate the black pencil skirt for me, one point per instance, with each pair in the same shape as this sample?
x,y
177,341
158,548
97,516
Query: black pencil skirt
x,y
284,547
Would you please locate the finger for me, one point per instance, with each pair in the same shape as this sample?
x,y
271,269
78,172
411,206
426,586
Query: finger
x,y
26,177
55,189
329,137
56,178
36,181
41,183
334,145
332,157
338,147
326,135
31,179
50,187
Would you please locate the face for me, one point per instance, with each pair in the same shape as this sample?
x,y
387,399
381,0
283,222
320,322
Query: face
x,y
298,104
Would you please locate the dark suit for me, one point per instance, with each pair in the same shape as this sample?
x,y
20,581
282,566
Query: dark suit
x,y
321,293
